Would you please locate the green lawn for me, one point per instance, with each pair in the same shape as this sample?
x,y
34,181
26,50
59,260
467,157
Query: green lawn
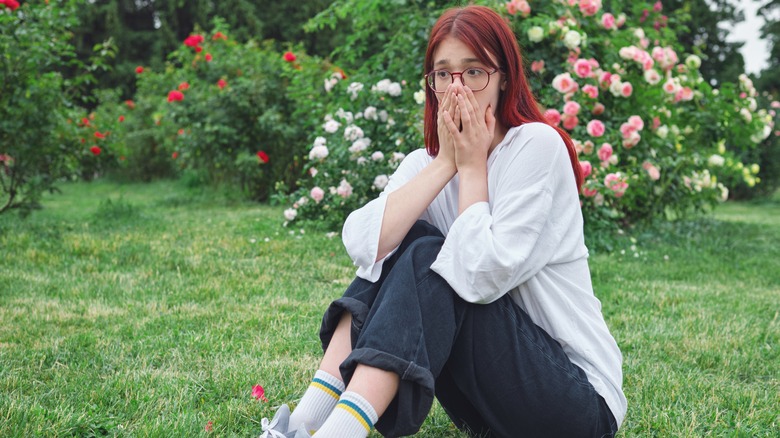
x,y
150,310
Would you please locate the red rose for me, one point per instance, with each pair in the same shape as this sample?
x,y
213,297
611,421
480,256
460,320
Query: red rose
x,y
198,49
95,150
139,69
290,57
208,57
175,155
130,104
193,40
262,156
221,84
99,135
121,119
183,86
12,4
219,36
175,95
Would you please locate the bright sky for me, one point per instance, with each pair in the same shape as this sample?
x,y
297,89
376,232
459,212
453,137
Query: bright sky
x,y
755,51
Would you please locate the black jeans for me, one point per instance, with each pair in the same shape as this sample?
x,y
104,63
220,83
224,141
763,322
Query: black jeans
x,y
495,372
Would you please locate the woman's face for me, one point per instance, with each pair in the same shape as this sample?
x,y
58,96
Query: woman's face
x,y
455,56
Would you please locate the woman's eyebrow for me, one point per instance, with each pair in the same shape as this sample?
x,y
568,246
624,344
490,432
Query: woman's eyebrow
x,y
442,62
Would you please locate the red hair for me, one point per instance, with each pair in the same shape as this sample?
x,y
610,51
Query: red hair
x,y
486,33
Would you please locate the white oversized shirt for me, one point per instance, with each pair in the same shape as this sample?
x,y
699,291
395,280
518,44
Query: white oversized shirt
x,y
527,241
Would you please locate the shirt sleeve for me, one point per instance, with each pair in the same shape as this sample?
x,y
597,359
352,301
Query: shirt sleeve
x,y
360,233
494,247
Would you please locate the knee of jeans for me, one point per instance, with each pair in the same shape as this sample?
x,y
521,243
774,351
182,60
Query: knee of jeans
x,y
423,252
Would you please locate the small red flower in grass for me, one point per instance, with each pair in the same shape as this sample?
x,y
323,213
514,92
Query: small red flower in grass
x,y
259,393
175,95
95,150
219,36
139,69
85,121
130,104
208,57
221,84
175,155
290,57
99,135
184,86
262,156
121,119
210,426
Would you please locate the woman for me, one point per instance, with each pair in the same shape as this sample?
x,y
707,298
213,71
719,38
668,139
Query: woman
x,y
473,283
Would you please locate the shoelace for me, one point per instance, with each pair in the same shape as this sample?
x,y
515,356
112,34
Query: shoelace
x,y
268,429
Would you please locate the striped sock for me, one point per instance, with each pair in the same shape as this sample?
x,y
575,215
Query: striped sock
x,y
317,403
352,417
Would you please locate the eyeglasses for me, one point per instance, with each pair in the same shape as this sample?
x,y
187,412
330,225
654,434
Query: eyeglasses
x,y
477,79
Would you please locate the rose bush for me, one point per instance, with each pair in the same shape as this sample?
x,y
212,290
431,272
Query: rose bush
x,y
36,149
219,109
364,127
655,138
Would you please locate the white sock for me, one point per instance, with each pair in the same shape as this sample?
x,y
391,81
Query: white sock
x,y
353,417
317,403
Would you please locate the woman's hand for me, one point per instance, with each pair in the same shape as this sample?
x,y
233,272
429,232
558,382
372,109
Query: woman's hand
x,y
472,141
448,111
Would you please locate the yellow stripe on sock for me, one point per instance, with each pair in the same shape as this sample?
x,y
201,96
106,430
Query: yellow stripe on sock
x,y
324,388
355,414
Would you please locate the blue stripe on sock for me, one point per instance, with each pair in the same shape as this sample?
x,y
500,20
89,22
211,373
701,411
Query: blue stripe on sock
x,y
359,411
327,385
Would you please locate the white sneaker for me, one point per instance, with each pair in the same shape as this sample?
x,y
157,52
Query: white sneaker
x,y
277,427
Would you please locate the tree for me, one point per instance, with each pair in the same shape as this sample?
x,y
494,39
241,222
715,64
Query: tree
x,y
703,32
770,76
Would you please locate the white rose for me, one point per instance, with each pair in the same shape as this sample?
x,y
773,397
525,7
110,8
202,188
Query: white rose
x,y
572,39
394,89
318,152
662,131
353,132
380,182
693,62
419,97
319,141
745,113
370,113
331,126
353,90
290,214
716,160
378,156
360,145
535,34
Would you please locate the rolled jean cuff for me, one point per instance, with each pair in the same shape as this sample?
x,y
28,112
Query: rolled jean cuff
x,y
415,394
356,308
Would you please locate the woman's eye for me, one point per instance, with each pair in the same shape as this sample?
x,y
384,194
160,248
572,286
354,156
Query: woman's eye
x,y
474,72
441,74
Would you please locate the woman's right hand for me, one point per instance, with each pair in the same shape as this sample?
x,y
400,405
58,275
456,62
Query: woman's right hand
x,y
448,109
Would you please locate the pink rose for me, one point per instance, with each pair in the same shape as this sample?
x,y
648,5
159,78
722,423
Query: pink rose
x,y
582,68
564,83
608,21
589,7
656,122
626,129
652,171
537,66
616,183
658,7
686,94
605,151
626,89
631,140
595,128
570,122
571,108
317,194
553,117
598,109
591,91
636,122
589,192
587,168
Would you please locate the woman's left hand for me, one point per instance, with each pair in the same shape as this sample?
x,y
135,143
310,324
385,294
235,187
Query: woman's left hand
x,y
472,142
